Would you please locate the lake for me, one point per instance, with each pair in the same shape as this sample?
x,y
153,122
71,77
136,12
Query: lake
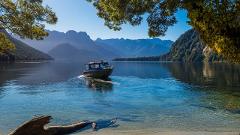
x,y
141,95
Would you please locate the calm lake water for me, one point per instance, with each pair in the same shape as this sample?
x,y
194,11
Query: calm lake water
x,y
142,95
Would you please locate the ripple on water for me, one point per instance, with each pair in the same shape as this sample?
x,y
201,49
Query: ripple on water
x,y
167,101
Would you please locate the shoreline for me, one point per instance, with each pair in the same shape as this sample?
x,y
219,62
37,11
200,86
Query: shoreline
x,y
109,131
152,132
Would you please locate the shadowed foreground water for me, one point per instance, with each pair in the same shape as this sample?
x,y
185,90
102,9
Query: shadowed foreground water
x,y
167,96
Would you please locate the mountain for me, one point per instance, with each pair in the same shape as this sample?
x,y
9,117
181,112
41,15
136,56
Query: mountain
x,y
138,47
190,48
99,49
23,51
74,40
68,52
187,48
80,40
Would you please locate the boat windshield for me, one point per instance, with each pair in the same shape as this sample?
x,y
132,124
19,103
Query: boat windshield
x,y
93,66
105,64
97,65
87,67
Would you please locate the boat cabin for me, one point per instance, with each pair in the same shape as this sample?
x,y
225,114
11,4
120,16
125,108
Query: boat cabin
x,y
98,70
96,65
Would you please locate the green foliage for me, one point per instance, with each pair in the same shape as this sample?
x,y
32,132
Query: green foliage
x,y
14,49
217,21
25,18
6,46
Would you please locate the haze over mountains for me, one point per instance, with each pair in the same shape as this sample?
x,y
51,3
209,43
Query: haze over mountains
x,y
138,47
78,46
74,45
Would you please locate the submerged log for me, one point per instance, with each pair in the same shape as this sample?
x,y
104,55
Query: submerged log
x,y
37,126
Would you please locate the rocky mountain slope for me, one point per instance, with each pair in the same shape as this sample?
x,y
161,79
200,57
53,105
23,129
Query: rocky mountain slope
x,y
190,48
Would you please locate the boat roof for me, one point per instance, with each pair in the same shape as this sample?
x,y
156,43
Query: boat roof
x,y
96,62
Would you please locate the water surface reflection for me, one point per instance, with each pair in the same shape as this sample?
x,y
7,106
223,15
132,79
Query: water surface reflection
x,y
218,75
174,96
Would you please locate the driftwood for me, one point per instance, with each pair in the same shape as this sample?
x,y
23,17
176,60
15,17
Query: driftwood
x,y
37,126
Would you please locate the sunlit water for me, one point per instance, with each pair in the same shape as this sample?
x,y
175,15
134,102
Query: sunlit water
x,y
165,96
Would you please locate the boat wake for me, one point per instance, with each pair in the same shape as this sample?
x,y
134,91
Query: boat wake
x,y
81,77
97,80
105,81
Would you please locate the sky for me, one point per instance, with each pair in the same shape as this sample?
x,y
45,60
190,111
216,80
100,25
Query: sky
x,y
80,15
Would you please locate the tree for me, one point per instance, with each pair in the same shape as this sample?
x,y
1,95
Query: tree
x,y
5,44
217,21
25,18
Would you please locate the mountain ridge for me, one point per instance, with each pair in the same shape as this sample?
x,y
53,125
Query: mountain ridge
x,y
100,48
137,47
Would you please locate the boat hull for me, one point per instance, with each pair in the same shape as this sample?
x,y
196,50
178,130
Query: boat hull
x,y
102,74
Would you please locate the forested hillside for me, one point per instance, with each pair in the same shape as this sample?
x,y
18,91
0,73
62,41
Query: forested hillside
x,y
22,51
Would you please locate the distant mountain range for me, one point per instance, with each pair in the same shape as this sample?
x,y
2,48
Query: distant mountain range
x,y
78,46
67,51
187,48
138,47
23,51
74,45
